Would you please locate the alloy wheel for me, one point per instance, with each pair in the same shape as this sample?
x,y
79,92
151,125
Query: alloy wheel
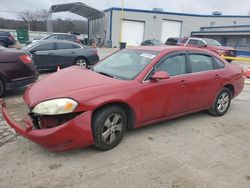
x,y
223,102
112,128
81,63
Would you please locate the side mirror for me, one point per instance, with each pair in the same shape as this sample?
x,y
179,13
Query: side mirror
x,y
160,75
32,51
202,45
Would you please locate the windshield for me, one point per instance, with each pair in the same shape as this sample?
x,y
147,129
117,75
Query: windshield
x,y
212,42
125,64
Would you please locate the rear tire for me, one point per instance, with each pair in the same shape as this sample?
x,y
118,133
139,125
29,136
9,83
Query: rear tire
x,y
2,43
2,88
222,103
109,126
81,62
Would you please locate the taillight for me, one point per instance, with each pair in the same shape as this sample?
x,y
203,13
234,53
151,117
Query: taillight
x,y
25,58
77,40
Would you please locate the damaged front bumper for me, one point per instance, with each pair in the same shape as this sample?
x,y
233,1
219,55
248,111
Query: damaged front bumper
x,y
73,134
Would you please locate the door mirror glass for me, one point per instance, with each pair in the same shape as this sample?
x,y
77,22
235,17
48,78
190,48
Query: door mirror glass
x,y
160,75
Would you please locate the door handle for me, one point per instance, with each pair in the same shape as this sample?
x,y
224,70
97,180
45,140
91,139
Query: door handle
x,y
73,52
183,83
217,76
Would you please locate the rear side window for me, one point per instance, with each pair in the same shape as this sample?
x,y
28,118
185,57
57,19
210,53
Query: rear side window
x,y
76,46
51,37
219,63
4,33
63,37
64,46
44,47
175,65
200,63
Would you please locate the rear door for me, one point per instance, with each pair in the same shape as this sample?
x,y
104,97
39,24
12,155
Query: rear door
x,y
43,55
166,97
65,54
204,80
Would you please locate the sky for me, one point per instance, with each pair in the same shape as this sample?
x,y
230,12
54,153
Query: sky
x,y
10,8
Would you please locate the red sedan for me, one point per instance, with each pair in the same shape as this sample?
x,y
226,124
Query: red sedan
x,y
76,107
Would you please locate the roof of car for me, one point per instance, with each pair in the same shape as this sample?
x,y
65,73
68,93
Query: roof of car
x,y
61,34
160,48
56,40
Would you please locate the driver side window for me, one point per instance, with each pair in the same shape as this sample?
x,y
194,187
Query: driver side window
x,y
175,65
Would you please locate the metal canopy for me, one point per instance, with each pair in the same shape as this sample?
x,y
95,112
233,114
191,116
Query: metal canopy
x,y
79,9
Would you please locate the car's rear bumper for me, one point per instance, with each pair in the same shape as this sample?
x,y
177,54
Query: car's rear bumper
x,y
73,134
21,82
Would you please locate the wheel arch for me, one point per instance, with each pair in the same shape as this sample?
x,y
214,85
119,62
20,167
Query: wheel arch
x,y
81,57
230,87
131,117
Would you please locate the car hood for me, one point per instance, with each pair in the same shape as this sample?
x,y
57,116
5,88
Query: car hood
x,y
222,48
74,82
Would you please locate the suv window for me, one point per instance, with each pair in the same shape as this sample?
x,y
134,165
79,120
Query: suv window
x,y
4,33
51,37
174,65
44,47
76,46
63,37
193,41
200,62
61,46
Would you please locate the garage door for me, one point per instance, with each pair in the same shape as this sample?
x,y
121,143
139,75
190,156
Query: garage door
x,y
132,32
170,29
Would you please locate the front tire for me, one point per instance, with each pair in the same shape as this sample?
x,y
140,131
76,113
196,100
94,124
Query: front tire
x,y
109,125
222,103
4,44
2,88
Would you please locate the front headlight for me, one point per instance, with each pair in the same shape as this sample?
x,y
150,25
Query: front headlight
x,y
55,106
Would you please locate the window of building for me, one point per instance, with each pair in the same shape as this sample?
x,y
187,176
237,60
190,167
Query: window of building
x,y
242,41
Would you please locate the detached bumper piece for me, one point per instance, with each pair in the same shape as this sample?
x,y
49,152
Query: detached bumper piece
x,y
75,133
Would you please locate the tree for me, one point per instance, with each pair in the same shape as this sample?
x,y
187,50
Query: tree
x,y
34,19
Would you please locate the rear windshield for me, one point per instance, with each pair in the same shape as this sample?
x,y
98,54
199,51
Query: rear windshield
x,y
212,42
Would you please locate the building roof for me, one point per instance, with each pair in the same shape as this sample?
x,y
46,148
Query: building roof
x,y
79,9
174,13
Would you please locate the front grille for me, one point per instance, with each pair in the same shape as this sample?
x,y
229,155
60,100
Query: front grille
x,y
232,53
50,121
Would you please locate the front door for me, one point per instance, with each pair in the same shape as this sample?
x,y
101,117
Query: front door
x,y
43,55
166,97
